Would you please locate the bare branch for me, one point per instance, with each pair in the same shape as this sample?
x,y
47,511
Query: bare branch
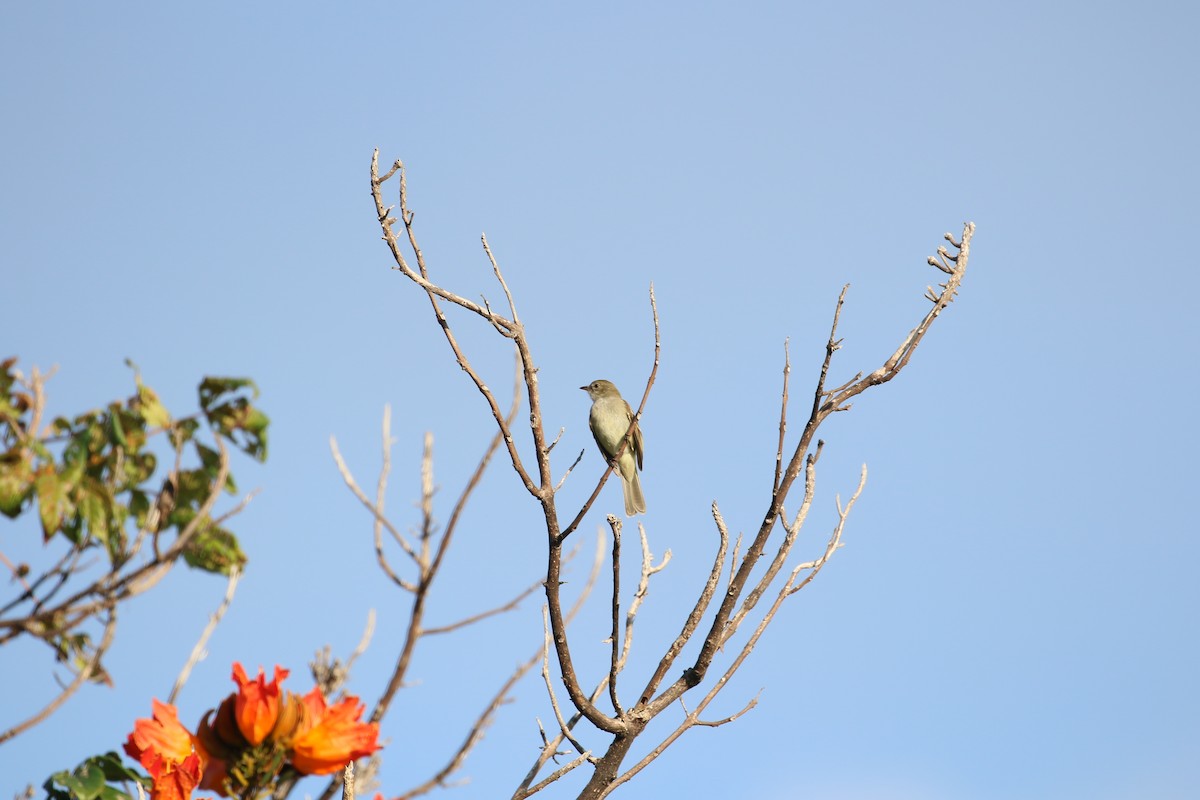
x,y
570,469
716,723
482,615
552,777
783,404
198,652
365,641
940,300
697,612
550,748
615,524
429,570
380,519
639,596
499,277
511,327
831,347
564,729
375,508
835,539
475,735
86,672
785,547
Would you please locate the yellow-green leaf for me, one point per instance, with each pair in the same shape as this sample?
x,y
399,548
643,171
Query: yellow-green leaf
x,y
153,411
53,501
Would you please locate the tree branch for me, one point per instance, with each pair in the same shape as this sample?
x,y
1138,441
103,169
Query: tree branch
x,y
110,628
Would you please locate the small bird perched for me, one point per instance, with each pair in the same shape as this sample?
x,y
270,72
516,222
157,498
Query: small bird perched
x,y
609,420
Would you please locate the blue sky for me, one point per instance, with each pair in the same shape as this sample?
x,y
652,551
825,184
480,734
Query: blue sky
x,y
1013,614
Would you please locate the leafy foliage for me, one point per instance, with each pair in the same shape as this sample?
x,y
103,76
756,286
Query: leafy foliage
x,y
93,780
90,474
129,482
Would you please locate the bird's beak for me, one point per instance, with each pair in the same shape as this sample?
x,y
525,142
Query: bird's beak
x,y
584,388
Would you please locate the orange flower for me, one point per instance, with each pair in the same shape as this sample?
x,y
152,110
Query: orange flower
x,y
332,735
175,781
165,748
164,735
257,706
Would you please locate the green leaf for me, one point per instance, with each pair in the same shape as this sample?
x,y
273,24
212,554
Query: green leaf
x,y
214,549
53,501
153,411
6,376
114,770
113,793
186,429
132,423
233,416
211,389
72,471
77,449
89,780
94,511
191,490
16,482
243,425
211,460
115,428
139,467
103,517
139,504
61,779
255,425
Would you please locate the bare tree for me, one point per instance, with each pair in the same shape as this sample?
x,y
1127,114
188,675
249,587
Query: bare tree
x,y
732,581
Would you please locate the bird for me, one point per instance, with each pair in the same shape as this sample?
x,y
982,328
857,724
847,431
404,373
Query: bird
x,y
609,420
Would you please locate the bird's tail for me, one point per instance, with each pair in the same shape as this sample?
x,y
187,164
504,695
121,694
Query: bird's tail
x,y
635,503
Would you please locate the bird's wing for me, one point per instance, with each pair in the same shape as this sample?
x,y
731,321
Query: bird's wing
x,y
636,441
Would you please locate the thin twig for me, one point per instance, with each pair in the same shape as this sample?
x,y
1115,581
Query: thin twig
x,y
364,641
198,652
785,546
474,735
783,404
697,612
553,776
366,501
434,293
649,568
110,628
835,539
482,615
563,728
